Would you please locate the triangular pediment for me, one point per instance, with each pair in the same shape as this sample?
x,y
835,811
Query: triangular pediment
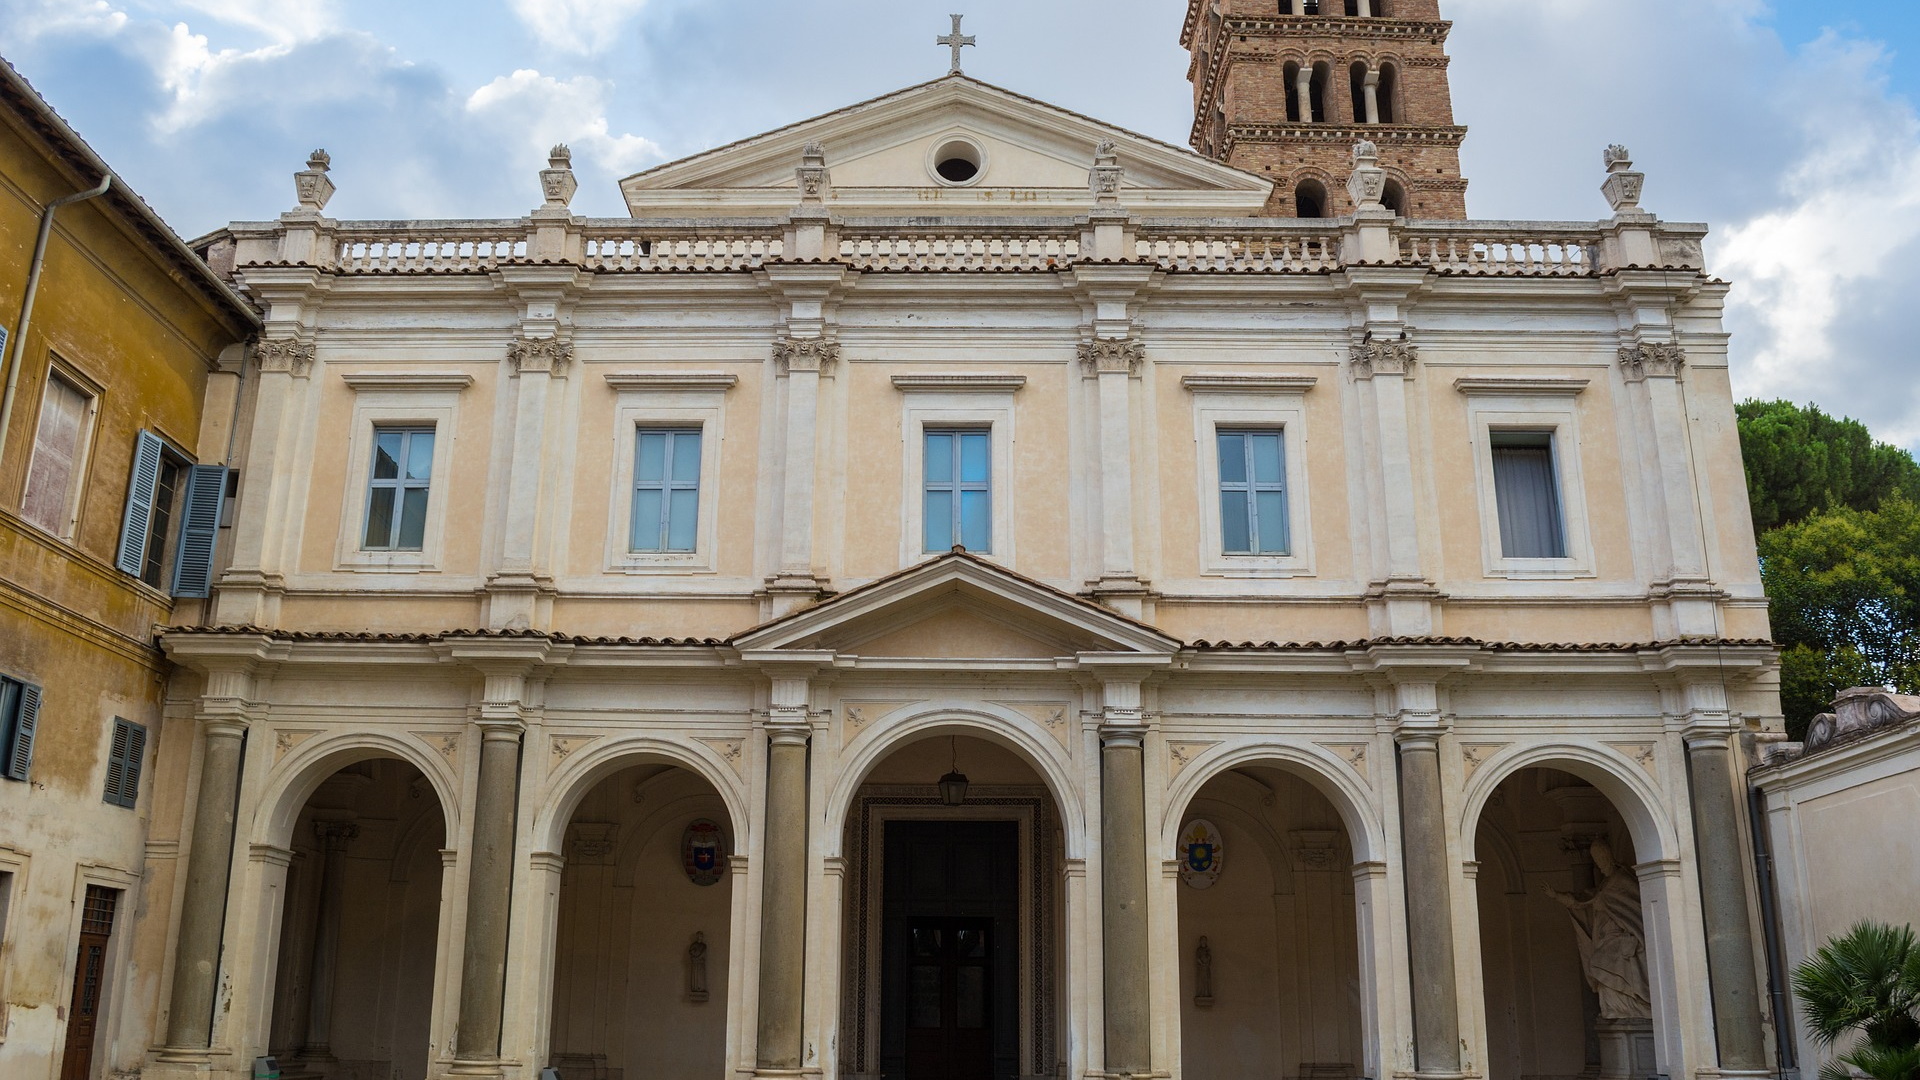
x,y
958,606
881,155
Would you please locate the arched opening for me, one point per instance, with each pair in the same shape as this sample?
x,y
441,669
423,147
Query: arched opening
x,y
1357,84
955,926
1388,94
642,944
1291,75
1565,955
1317,91
1270,979
359,931
1310,199
1394,197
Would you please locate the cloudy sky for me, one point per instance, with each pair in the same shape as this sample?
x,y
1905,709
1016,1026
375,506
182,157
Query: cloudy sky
x,y
1786,124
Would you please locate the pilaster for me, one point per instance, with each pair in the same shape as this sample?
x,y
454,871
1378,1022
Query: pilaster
x,y
1112,357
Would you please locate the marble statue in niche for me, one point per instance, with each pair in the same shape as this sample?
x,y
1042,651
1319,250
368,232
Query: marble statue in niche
x,y
1613,942
697,968
1203,973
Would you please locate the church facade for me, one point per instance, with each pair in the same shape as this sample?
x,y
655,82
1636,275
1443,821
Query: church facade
x,y
956,588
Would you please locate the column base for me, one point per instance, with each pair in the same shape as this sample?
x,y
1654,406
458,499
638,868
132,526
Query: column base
x,y
488,1068
1626,1049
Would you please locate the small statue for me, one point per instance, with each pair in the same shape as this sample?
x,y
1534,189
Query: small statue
x,y
1612,937
697,968
1203,974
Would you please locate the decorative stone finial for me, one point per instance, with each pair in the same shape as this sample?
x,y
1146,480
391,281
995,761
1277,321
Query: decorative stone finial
x,y
1368,184
556,180
1104,178
812,176
311,186
1623,185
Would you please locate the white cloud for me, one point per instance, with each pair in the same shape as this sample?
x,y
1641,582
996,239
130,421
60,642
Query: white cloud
x,y
579,26
284,21
541,110
31,19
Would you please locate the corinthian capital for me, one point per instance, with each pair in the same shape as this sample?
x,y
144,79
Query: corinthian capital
x,y
1112,356
283,356
1383,358
547,355
805,354
1639,362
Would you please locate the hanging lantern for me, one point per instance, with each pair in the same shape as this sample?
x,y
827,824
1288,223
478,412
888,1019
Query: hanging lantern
x,y
953,786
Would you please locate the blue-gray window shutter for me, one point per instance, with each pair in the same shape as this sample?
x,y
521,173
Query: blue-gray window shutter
x,y
26,716
123,763
139,515
199,526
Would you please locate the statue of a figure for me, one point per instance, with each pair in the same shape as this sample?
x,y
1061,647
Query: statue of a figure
x,y
1613,938
1203,973
697,968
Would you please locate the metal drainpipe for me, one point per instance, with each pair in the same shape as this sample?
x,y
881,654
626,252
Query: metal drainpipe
x,y
19,343
1770,932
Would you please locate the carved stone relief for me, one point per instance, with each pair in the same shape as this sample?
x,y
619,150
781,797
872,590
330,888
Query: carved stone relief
x,y
1383,358
805,354
283,356
1104,356
539,355
1645,360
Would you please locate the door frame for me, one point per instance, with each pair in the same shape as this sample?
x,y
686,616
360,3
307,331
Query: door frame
x,y
1041,917
106,1031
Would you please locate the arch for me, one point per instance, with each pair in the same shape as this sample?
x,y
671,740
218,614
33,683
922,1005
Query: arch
x,y
293,781
1330,776
584,769
1625,784
1394,197
406,845
996,724
1388,92
1310,199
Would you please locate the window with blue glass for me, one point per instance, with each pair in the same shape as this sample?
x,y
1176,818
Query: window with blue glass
x,y
959,489
1253,491
398,489
666,489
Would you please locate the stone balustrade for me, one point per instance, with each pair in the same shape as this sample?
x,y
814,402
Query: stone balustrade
x,y
1270,246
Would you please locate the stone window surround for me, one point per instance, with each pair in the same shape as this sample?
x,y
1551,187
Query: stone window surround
x,y
14,864
664,402
389,402
1252,402
975,401
1544,405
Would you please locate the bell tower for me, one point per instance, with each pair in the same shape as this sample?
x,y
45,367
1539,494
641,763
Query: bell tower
x,y
1284,88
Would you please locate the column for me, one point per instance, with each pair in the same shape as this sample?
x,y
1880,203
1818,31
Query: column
x,y
1436,1008
513,590
483,969
1303,87
1370,87
783,891
1123,861
333,836
203,908
1723,898
249,587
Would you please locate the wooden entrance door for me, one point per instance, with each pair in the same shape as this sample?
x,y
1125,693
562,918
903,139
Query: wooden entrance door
x,y
950,955
949,999
89,979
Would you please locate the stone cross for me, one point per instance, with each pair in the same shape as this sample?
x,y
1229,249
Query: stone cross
x,y
955,41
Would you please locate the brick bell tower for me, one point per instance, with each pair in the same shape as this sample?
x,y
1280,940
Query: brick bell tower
x,y
1284,88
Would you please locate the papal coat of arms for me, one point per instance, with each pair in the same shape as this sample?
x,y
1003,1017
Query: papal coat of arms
x,y
701,852
1202,855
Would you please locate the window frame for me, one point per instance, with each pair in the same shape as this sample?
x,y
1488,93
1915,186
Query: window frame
x,y
667,486
400,484
942,405
1538,406
1229,403
658,403
375,407
82,453
1509,438
955,485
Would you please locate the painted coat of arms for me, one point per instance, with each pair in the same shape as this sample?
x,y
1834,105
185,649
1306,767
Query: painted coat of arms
x,y
702,851
1202,855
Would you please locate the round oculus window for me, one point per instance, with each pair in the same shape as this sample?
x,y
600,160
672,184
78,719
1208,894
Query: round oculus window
x,y
957,162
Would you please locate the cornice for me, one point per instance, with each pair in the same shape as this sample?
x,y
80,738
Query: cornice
x,y
1248,383
407,380
671,380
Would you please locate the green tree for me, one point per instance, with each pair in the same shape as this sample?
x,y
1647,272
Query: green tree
x,y
1801,461
1843,588
1866,980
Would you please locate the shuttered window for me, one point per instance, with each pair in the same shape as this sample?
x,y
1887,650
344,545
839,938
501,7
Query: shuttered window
x,y
123,763
1527,493
19,716
199,527
59,444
